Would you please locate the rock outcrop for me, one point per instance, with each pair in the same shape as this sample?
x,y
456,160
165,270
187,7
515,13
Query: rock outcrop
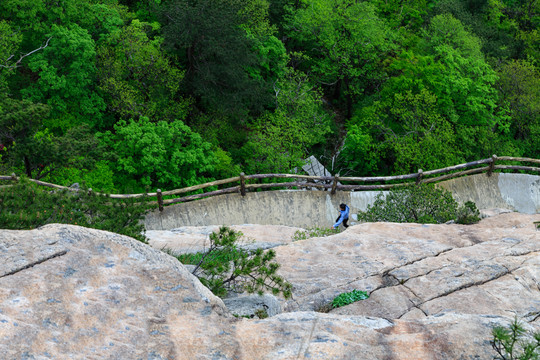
x,y
68,291
436,293
414,270
192,239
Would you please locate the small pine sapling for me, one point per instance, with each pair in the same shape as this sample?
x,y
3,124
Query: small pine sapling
x,y
226,267
513,342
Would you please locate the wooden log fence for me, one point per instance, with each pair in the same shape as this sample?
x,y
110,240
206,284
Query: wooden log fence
x,y
328,183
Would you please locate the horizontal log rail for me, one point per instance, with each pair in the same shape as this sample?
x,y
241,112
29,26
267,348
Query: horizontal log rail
x,y
331,183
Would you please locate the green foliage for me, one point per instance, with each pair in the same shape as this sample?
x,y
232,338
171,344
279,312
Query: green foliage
x,y
495,42
314,232
100,177
468,213
362,151
513,342
272,58
137,77
62,73
426,140
345,41
519,21
408,15
255,17
261,313
9,42
242,316
226,267
34,149
37,16
225,168
439,108
208,38
447,30
519,85
213,259
380,87
65,71
158,155
25,205
281,139
19,126
413,133
420,204
348,298
467,94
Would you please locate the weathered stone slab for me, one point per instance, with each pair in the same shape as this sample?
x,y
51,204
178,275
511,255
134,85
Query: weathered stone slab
x,y
388,303
18,256
436,293
249,305
105,296
192,239
432,262
308,335
504,297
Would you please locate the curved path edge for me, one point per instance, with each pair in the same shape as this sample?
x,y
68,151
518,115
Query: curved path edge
x,y
308,208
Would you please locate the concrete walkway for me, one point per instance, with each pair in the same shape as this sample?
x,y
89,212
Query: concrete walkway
x,y
309,209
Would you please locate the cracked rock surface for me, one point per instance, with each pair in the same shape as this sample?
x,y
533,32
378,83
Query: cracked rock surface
x,y
436,292
414,271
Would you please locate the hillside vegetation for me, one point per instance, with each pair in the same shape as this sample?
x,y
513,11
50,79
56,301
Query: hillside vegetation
x,y
129,95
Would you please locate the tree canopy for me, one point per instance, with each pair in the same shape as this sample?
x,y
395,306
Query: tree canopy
x,y
129,95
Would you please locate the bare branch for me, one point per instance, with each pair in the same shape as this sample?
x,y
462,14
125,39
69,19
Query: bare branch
x,y
17,64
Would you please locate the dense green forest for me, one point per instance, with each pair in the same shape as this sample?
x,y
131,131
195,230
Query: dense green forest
x,y
130,95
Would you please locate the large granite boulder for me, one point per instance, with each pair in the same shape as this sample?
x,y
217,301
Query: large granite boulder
x,y
68,292
413,270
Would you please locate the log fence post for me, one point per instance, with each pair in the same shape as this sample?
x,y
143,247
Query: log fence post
x,y
492,165
13,177
334,184
243,184
160,199
419,177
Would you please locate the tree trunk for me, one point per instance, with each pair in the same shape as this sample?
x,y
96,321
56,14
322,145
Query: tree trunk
x,y
349,98
27,167
337,89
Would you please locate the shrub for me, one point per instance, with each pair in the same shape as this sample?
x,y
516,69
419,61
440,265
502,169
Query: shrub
x,y
468,214
323,307
314,232
349,298
26,205
420,204
226,267
261,313
511,342
218,257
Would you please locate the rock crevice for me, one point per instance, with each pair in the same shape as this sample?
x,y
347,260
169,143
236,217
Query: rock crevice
x,y
5,272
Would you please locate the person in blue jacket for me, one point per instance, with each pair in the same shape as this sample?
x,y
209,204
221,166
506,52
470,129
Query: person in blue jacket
x,y
343,216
